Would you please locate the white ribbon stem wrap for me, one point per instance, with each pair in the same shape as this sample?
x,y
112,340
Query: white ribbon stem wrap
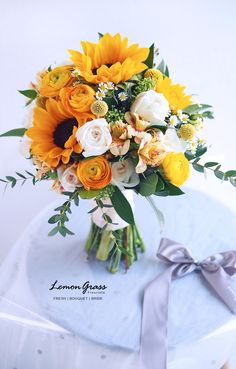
x,y
97,215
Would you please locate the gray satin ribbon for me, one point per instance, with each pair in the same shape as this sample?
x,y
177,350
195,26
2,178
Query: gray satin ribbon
x,y
217,271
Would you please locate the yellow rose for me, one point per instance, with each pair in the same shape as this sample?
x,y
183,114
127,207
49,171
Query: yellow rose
x,y
94,173
176,168
52,82
77,101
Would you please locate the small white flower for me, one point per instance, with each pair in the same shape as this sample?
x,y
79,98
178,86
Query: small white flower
x,y
68,178
182,117
151,106
201,141
124,175
110,85
100,95
122,96
102,87
199,123
75,73
193,147
173,120
95,137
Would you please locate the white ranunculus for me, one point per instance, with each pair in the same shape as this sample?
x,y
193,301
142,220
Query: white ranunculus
x,y
172,142
151,106
124,175
95,137
68,178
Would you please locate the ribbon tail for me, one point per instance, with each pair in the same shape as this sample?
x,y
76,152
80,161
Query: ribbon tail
x,y
153,351
223,285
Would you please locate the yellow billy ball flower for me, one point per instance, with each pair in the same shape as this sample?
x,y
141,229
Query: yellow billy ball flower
x,y
99,108
176,168
187,132
154,74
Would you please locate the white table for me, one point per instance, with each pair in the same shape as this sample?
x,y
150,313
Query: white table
x,y
41,332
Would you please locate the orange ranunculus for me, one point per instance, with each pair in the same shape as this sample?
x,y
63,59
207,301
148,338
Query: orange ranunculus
x,y
52,82
78,100
94,173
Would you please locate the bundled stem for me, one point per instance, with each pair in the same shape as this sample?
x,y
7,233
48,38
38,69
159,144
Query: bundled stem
x,y
116,247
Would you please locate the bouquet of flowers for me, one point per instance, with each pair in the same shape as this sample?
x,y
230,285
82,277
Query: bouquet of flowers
x,y
109,122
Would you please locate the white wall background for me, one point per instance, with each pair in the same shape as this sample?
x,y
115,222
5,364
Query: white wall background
x,y
196,37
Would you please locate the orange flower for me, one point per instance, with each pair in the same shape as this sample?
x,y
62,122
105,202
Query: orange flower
x,y
52,82
53,134
77,101
94,173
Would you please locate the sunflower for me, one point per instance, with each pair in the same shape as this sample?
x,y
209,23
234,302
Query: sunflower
x,y
174,94
53,134
111,59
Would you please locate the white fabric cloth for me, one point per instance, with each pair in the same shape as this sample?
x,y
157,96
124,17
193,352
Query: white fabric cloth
x,y
38,331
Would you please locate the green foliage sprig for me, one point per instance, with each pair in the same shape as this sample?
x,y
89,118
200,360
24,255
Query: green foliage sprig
x,y
62,217
229,175
12,181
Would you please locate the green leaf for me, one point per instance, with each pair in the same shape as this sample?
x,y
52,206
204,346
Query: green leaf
x,y
20,175
100,35
230,173
160,185
76,201
93,210
174,190
49,68
147,186
221,175
196,108
62,231
67,193
90,194
149,60
198,167
122,206
30,174
17,132
52,174
53,231
162,67
3,180
31,94
210,164
54,219
68,231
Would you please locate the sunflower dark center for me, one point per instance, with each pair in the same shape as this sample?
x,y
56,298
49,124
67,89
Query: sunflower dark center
x,y
64,131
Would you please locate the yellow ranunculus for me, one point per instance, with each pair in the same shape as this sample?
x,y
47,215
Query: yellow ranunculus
x,y
52,82
94,173
77,101
176,168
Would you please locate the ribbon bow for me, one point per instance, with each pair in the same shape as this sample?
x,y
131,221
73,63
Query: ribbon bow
x,y
217,271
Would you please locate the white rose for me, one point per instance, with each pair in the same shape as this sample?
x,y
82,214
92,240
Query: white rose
x,y
124,175
172,142
151,106
68,178
95,137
